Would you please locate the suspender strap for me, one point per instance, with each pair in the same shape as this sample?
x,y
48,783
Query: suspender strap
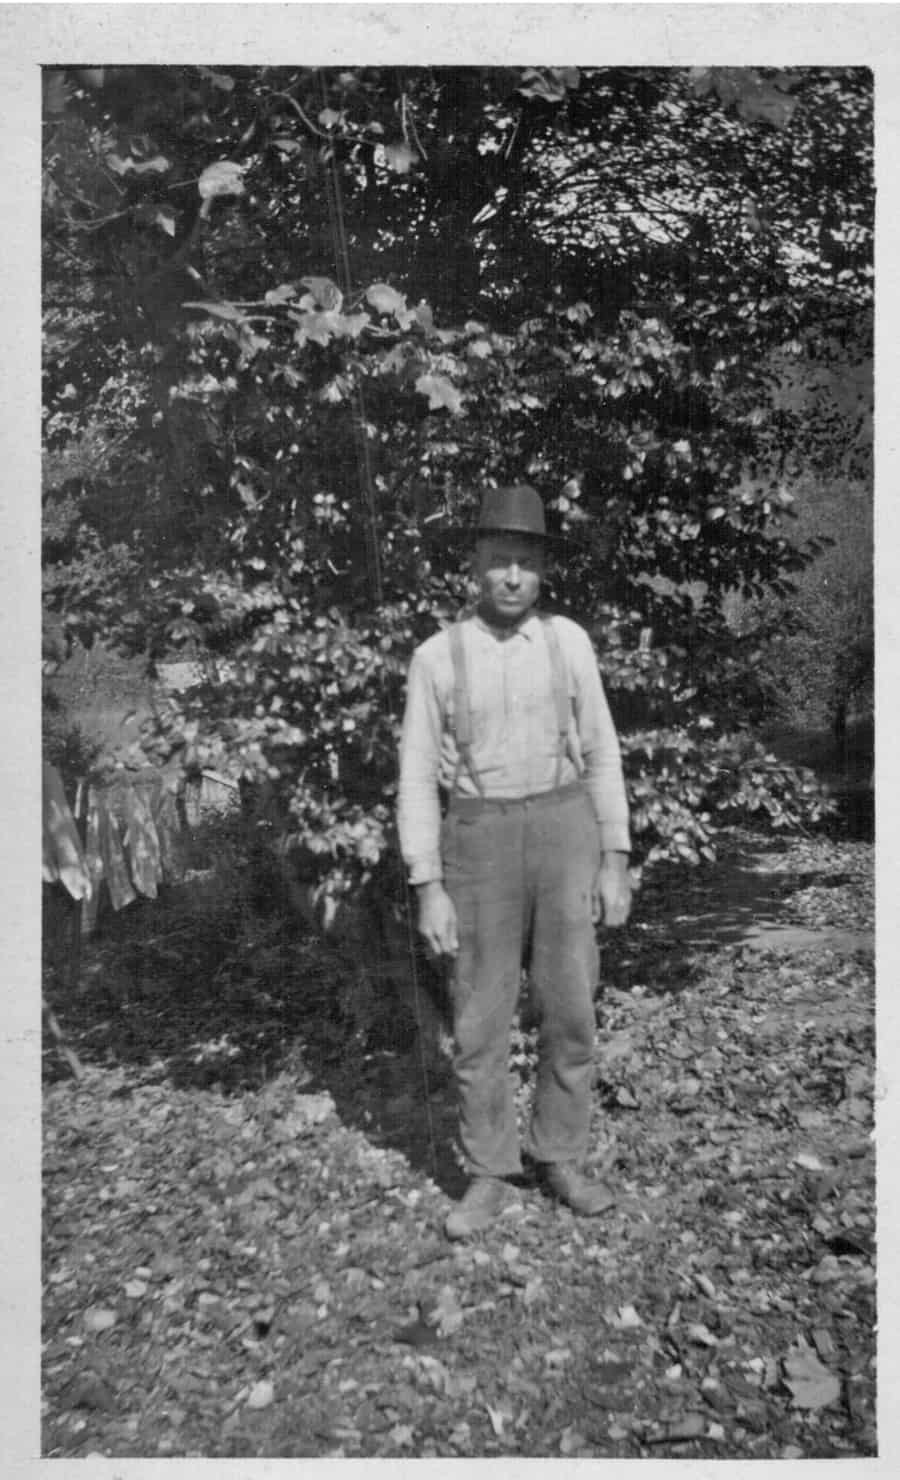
x,y
462,709
560,692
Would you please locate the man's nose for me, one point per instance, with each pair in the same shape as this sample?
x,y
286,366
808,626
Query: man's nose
x,y
513,575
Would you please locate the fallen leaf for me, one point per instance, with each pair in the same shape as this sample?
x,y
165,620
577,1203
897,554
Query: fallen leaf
x,y
96,1318
826,1270
619,1046
809,1162
436,1373
461,1384
626,1319
812,1385
691,1426
446,1313
262,1395
135,1289
571,1441
90,1391
498,1417
701,1334
533,1291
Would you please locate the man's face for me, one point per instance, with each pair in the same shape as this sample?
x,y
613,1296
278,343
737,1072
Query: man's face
x,y
509,570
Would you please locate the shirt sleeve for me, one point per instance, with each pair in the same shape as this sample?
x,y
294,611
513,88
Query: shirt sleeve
x,y
418,801
600,751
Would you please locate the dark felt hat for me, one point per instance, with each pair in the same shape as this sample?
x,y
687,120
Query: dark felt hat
x,y
515,510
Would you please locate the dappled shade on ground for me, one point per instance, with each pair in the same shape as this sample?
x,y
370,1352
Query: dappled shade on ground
x,y
262,1272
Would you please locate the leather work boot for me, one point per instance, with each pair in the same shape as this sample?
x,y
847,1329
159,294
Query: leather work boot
x,y
479,1205
583,1196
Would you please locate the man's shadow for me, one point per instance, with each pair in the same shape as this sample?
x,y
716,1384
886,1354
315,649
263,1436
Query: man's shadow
x,y
151,991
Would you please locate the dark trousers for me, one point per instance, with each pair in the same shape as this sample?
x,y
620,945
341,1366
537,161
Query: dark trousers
x,y
520,875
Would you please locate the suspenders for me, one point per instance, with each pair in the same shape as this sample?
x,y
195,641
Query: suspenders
x,y
560,693
462,708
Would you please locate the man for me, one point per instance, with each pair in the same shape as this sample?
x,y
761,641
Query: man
x,y
505,714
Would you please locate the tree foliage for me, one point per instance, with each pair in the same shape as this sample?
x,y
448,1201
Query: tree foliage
x,y
296,318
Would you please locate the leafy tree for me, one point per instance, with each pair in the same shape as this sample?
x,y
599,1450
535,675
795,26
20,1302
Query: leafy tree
x,y
296,318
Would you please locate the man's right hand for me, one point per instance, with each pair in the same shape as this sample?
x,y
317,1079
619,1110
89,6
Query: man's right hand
x,y
437,919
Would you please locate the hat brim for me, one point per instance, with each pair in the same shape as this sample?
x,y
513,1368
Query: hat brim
x,y
471,533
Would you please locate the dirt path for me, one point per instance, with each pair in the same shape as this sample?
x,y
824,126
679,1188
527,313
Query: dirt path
x,y
263,1273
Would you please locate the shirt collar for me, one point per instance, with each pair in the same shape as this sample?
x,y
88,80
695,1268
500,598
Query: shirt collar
x,y
526,628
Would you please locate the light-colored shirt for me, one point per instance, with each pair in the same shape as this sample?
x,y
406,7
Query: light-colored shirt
x,y
515,735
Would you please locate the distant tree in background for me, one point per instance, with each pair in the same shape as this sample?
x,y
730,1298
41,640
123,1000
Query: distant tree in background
x,y
296,317
821,656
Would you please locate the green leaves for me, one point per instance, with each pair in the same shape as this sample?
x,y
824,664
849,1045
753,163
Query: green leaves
x,y
282,294
385,299
625,326
441,393
225,177
399,157
158,165
758,99
323,293
695,782
549,83
316,328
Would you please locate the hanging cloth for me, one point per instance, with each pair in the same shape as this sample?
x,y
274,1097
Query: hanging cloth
x,y
63,854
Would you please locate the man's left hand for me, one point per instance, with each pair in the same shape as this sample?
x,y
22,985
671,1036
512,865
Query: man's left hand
x,y
611,900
